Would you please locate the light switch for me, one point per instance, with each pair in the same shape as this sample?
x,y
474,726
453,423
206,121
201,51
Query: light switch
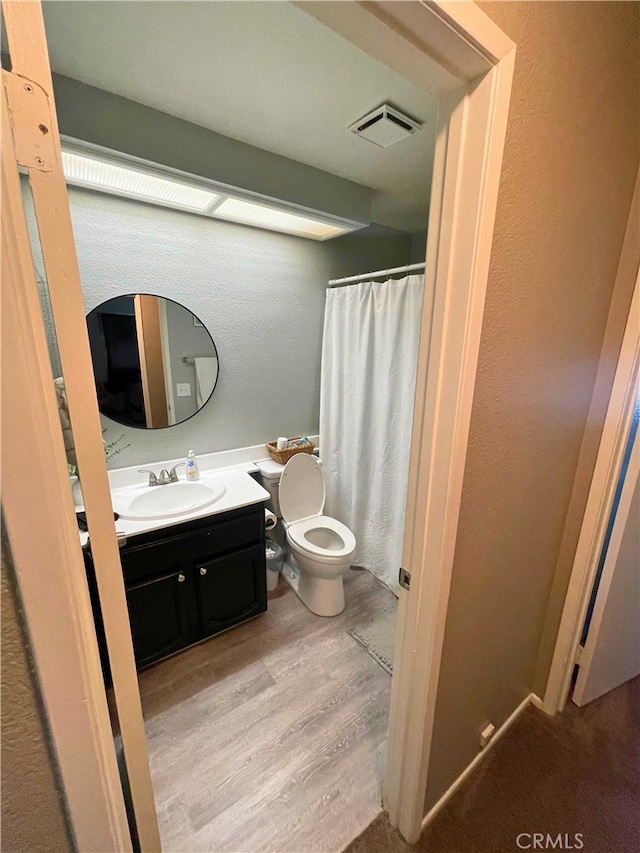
x,y
183,389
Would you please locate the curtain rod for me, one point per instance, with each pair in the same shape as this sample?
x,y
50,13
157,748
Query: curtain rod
x,y
352,279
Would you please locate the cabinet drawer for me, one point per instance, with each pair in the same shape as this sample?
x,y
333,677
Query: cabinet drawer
x,y
228,534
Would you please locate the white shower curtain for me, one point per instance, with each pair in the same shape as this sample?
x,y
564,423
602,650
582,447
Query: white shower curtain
x,y
369,359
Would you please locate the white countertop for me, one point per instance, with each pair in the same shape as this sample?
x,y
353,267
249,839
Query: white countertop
x,y
240,490
232,467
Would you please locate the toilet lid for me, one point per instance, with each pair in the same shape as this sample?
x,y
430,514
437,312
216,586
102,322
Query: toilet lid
x,y
301,493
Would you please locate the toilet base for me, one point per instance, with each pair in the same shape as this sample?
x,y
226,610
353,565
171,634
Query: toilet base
x,y
322,596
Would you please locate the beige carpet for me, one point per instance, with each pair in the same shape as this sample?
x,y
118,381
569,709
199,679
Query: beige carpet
x,y
576,773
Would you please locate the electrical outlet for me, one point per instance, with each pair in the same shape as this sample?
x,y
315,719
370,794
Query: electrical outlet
x,y
183,389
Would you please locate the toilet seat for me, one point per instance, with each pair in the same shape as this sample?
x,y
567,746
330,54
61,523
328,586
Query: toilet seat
x,y
333,540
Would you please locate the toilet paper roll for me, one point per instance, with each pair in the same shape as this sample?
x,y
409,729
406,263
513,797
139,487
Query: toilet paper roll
x,y
270,520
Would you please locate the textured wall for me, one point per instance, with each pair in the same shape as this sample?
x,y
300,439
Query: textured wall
x,y
618,314
32,812
570,164
260,294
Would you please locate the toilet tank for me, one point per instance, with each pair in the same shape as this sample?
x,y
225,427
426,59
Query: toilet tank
x,y
270,473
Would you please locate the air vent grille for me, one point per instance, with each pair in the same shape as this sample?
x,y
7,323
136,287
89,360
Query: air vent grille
x,y
385,126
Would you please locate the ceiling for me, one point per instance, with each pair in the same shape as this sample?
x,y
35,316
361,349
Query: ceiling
x,y
265,73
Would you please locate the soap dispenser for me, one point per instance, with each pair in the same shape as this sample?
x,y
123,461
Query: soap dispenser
x,y
193,472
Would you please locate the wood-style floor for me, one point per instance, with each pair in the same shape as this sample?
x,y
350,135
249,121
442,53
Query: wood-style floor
x,y
272,736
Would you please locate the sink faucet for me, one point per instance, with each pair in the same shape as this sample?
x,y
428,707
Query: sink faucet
x,y
164,477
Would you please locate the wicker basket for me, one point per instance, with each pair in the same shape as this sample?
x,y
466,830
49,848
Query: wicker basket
x,y
283,456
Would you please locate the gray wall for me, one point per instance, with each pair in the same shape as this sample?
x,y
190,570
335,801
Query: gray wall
x,y
418,247
102,118
260,294
33,810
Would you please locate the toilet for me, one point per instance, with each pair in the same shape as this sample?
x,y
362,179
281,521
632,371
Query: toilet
x,y
321,546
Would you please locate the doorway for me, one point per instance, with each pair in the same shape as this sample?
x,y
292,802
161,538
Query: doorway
x,y
609,649
473,118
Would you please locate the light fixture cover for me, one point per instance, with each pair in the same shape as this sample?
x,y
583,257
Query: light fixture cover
x,y
385,126
112,173
100,174
263,216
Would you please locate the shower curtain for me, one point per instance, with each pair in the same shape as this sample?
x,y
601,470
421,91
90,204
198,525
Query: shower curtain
x,y
369,360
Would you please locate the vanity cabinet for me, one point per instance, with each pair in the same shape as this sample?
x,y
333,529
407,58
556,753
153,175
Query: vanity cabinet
x,y
191,581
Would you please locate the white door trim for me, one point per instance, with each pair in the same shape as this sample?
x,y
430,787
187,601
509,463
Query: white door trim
x,y
455,52
441,428
28,90
583,691
43,540
601,493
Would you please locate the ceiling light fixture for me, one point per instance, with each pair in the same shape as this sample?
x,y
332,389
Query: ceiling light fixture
x,y
105,171
261,216
99,174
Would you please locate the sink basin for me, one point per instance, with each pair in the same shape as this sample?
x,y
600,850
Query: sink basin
x,y
174,499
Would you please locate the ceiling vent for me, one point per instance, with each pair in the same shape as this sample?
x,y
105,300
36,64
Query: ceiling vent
x,y
384,126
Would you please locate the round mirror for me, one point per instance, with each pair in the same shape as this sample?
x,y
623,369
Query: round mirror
x,y
154,362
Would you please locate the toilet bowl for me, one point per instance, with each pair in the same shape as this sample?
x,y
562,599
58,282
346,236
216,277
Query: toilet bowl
x,y
322,547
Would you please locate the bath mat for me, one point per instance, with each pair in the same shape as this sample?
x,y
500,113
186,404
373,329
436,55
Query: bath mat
x,y
377,636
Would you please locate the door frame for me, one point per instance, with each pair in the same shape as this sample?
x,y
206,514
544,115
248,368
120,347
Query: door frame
x,y
166,360
599,595
456,53
31,141
606,474
42,537
473,88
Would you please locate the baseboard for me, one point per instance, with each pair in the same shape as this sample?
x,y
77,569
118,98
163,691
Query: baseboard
x,y
536,701
531,699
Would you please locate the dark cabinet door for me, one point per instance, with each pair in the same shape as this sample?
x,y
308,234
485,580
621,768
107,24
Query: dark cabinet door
x,y
231,589
163,616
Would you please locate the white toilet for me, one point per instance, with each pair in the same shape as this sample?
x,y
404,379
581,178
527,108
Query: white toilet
x,y
322,547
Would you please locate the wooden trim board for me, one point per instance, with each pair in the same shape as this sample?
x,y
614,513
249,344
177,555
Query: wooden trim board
x,y
29,91
43,536
149,332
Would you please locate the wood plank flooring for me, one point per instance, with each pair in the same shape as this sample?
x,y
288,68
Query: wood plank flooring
x,y
272,736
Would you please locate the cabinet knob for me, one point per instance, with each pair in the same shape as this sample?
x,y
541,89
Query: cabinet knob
x,y
203,571
181,578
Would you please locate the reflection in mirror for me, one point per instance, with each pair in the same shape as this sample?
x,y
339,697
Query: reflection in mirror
x,y
154,362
